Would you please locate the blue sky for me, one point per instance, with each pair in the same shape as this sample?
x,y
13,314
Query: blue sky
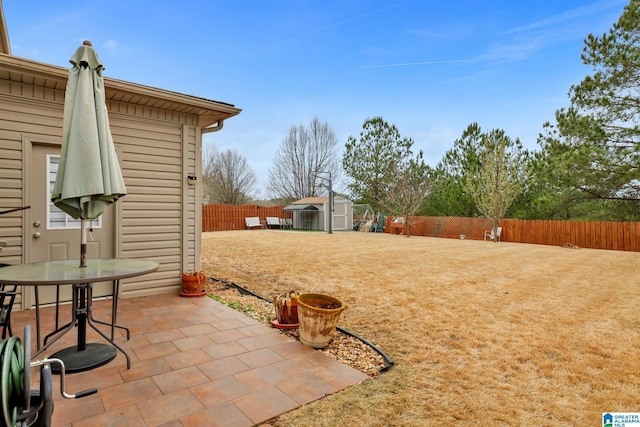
x,y
429,67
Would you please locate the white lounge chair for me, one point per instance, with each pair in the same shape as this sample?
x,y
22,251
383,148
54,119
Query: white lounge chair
x,y
285,223
273,221
253,222
490,235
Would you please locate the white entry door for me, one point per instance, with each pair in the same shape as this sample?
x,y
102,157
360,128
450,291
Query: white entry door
x,y
53,235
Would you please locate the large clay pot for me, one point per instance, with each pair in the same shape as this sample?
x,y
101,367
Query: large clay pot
x,y
318,316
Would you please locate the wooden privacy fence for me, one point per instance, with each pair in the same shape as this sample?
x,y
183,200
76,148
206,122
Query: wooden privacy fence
x,y
621,236
219,217
449,227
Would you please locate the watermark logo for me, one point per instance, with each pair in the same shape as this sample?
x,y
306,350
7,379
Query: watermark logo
x,y
621,419
607,420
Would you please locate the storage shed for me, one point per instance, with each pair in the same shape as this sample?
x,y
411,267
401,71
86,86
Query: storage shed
x,y
312,213
158,138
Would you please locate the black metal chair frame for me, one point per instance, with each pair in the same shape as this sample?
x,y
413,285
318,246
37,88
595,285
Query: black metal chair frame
x,y
7,298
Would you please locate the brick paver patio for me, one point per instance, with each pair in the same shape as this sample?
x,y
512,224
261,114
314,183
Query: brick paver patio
x,y
195,362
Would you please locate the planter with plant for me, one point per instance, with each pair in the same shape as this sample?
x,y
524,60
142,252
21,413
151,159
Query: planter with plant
x,y
286,309
193,284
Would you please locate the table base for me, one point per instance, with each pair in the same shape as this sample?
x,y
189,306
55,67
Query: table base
x,y
94,356
81,316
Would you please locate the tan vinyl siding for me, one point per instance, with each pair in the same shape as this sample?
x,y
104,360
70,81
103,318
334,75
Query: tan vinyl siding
x,y
157,135
191,159
151,157
19,117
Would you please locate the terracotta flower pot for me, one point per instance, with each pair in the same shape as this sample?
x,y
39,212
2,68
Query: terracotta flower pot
x,y
286,309
193,285
318,315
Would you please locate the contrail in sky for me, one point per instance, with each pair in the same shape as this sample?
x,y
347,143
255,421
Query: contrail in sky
x,y
320,30
450,61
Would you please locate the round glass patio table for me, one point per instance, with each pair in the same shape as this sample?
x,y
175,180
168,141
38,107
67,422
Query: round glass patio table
x,y
83,356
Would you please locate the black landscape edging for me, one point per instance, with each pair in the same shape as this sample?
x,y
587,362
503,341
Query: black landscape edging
x,y
388,362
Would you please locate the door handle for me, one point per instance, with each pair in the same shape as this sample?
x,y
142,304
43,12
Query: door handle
x,y
36,235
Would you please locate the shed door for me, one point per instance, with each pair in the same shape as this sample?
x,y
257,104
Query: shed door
x,y
339,215
56,236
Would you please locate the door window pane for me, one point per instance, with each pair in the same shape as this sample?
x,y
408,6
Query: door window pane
x,y
56,218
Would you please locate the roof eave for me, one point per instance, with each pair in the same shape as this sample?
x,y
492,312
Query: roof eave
x,y
210,112
222,109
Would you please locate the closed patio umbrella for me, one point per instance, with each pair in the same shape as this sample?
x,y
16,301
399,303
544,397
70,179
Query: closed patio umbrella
x,y
89,177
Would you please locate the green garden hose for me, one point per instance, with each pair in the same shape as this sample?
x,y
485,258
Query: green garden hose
x,y
12,380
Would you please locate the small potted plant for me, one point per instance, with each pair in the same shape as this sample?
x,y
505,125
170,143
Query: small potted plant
x,y
286,309
193,284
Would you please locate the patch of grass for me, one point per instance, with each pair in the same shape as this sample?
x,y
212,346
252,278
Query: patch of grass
x,y
239,305
236,305
482,333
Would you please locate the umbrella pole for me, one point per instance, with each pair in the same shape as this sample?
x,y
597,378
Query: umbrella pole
x,y
83,243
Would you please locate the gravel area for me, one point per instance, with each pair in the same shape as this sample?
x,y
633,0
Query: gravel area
x,y
343,347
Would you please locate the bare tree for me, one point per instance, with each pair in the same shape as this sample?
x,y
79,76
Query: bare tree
x,y
209,153
499,179
405,194
226,177
302,153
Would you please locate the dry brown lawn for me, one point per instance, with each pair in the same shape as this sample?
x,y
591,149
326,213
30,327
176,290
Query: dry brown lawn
x,y
482,333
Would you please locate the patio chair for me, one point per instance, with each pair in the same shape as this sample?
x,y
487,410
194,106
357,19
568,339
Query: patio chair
x,y
490,235
7,298
286,223
253,222
273,221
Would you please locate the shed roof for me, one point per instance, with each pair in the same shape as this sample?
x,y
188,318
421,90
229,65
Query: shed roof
x,y
318,200
295,207
312,201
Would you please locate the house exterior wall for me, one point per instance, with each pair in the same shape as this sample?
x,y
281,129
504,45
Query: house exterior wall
x,y
157,220
20,116
158,216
